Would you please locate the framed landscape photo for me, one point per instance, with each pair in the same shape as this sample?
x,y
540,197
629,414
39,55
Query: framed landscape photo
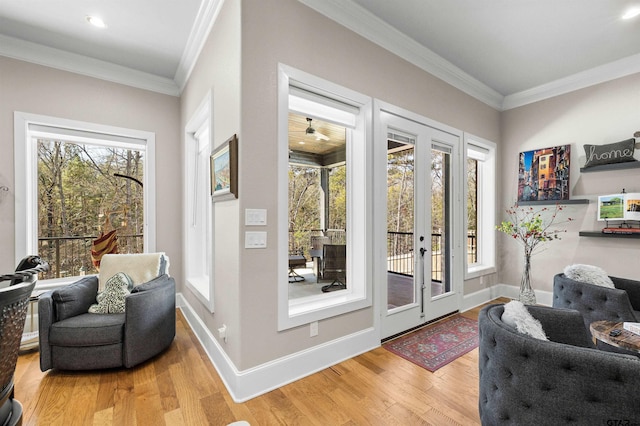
x,y
624,206
224,170
543,174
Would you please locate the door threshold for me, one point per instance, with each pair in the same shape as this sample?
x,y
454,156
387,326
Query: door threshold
x,y
417,327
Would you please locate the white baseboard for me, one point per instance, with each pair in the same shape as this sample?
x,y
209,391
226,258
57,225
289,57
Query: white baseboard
x,y
247,384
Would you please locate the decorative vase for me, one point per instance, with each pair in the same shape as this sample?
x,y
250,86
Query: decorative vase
x,y
527,295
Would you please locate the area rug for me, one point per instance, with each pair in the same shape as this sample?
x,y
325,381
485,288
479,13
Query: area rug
x,y
437,345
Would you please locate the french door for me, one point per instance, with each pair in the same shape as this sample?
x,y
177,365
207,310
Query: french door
x,y
417,285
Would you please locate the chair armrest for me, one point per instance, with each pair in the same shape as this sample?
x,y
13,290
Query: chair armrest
x,y
631,287
74,299
562,325
150,320
45,319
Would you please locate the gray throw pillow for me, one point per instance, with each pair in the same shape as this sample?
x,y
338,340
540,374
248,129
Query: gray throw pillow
x,y
619,152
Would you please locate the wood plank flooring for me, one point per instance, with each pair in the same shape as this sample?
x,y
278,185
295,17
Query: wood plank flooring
x,y
181,387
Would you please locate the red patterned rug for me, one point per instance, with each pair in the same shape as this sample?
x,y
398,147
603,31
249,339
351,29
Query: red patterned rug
x,y
438,344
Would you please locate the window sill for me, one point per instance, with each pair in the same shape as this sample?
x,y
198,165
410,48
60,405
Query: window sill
x,y
477,271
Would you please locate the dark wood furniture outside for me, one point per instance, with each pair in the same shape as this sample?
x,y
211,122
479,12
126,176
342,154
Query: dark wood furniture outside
x,y
296,261
626,339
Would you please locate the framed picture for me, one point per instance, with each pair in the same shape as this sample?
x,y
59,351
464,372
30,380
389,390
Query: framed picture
x,y
624,206
224,170
543,174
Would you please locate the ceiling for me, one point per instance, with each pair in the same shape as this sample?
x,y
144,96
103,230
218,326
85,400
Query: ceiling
x,y
504,52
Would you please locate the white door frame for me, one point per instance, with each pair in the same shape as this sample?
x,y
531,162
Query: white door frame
x,y
436,307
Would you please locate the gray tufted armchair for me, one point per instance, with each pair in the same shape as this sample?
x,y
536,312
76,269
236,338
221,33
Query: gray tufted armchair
x,y
597,303
526,381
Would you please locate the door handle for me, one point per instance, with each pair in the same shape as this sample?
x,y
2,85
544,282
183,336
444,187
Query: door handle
x,y
422,251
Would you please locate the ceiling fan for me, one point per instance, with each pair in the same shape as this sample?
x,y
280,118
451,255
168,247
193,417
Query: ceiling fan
x,y
313,132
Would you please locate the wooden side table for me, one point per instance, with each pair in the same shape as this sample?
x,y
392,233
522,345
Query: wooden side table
x,y
626,339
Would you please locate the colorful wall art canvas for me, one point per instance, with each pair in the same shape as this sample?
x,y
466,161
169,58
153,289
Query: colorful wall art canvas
x,y
544,174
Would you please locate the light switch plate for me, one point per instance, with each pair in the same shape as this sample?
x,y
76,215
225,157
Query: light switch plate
x,y
255,240
255,217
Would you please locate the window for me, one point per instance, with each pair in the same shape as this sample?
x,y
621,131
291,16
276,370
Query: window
x,y
81,181
481,183
323,150
198,218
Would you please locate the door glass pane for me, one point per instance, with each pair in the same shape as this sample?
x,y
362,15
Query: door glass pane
x,y
440,222
400,224
472,211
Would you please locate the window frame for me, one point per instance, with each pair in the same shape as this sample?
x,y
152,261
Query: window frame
x,y
358,295
200,122
484,151
26,179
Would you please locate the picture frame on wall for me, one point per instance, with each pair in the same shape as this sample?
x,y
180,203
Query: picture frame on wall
x,y
224,170
544,174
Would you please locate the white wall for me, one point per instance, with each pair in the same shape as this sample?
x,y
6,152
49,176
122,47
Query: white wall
x,y
41,90
599,115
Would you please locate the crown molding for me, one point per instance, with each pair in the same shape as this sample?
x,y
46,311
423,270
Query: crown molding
x,y
601,74
205,19
369,26
55,58
364,23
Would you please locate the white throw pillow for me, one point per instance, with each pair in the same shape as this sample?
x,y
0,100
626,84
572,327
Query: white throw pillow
x,y
111,300
517,316
588,274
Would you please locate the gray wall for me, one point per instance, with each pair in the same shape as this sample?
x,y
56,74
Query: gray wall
x,y
598,115
37,89
288,32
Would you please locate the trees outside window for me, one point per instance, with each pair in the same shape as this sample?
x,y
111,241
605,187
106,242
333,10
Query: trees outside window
x,y
85,190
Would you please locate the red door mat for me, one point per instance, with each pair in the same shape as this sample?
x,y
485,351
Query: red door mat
x,y
438,344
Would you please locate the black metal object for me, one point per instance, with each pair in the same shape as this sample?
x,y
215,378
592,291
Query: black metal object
x,y
28,267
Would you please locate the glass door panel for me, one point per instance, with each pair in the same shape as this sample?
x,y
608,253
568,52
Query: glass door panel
x,y
401,287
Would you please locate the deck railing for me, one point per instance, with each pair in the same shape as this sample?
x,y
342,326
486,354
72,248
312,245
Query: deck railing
x,y
71,256
400,253
399,249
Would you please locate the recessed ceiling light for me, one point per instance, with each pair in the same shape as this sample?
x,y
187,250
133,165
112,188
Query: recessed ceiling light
x,y
631,13
96,22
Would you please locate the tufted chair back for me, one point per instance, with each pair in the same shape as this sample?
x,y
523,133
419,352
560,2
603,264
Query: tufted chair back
x,y
597,303
526,381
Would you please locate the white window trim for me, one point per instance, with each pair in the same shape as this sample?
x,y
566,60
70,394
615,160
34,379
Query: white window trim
x,y
486,214
296,312
202,118
25,174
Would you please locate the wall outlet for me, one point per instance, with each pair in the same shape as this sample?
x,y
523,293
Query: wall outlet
x,y
222,332
313,329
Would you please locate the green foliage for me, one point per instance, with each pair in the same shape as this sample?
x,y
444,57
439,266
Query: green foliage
x,y
529,228
77,192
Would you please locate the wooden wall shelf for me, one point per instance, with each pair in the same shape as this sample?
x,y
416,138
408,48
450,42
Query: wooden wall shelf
x,y
552,202
615,166
602,234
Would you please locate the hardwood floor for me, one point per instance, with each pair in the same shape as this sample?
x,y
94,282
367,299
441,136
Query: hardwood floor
x,y
181,387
